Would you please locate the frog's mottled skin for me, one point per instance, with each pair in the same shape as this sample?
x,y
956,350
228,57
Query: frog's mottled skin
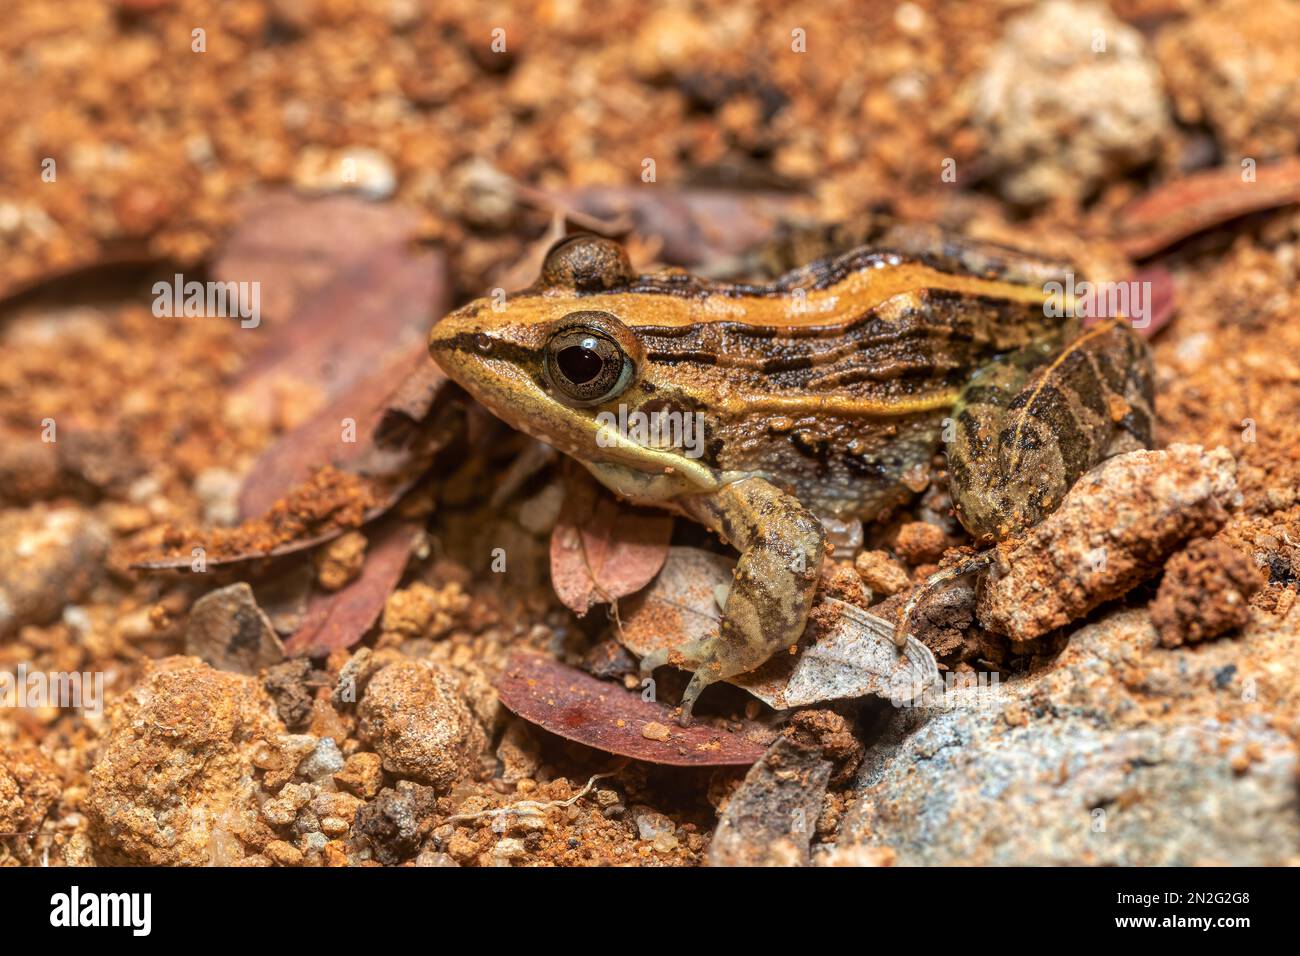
x,y
823,392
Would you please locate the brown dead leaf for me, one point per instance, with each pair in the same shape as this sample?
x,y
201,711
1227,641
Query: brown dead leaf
x,y
342,288
323,438
602,549
694,227
1181,208
596,713
341,618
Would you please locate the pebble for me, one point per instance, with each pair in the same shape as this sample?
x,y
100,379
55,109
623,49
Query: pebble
x,y
880,572
656,731
48,559
326,759
228,630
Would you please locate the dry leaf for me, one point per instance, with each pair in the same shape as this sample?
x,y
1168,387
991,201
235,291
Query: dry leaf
x,y
1183,207
844,653
341,619
578,707
602,549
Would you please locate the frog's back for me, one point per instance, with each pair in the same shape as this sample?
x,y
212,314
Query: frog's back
x,y
834,380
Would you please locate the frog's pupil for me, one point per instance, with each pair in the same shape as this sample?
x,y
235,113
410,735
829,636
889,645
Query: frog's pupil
x,y
579,364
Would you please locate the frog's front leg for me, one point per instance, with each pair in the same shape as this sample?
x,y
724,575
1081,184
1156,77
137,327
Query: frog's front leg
x,y
781,546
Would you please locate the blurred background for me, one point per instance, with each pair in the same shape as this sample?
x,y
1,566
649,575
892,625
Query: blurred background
x,y
160,115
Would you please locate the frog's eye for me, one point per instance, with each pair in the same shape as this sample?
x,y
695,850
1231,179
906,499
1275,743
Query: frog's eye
x,y
586,366
586,263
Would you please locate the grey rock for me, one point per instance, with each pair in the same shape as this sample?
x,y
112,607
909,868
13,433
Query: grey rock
x,y
324,760
1116,753
769,820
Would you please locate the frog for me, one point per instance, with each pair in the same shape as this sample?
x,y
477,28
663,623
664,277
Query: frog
x,y
821,393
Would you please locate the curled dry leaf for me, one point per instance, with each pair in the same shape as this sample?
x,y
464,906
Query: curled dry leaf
x,y
602,549
599,714
330,268
845,652
1181,208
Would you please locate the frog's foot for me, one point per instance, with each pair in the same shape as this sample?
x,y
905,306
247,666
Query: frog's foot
x,y
933,584
699,656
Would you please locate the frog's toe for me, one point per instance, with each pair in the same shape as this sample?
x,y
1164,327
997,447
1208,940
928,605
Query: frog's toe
x,y
693,690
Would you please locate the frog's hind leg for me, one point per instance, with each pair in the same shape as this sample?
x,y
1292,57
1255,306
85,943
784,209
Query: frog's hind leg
x,y
781,546
1027,426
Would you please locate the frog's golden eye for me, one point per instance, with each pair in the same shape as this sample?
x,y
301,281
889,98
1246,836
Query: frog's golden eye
x,y
586,263
586,366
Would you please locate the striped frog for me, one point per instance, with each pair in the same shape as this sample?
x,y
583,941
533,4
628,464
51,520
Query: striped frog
x,y
825,391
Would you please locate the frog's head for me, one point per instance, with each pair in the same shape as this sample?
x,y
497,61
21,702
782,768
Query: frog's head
x,y
561,361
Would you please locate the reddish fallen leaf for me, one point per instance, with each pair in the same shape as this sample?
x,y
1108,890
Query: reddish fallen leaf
x,y
342,287
602,549
341,619
578,707
1186,206
320,439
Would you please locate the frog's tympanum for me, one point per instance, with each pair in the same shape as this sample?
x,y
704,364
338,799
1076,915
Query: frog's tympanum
x,y
825,392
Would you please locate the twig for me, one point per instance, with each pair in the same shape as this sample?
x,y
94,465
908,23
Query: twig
x,y
535,805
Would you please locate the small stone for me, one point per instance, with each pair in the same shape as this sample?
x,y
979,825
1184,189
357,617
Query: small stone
x,y
48,559
362,774
229,631
29,786
336,811
1056,116
431,857
335,853
656,731
396,822
283,853
881,573
360,170
1205,593
518,753
650,823
422,611
289,685
218,489
339,562
507,850
413,714
314,842
920,542
322,761
664,843
462,847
